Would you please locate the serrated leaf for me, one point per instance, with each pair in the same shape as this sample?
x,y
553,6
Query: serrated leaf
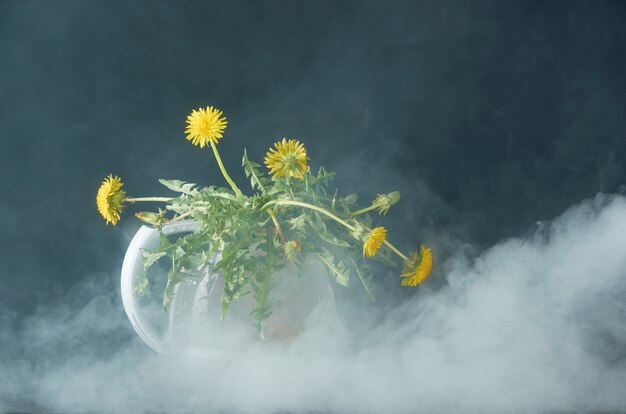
x,y
180,186
173,277
349,202
142,285
150,258
338,271
251,170
297,223
320,228
156,219
365,280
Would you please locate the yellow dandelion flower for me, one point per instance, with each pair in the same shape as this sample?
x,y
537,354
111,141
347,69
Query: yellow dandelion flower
x,y
110,199
289,159
205,126
374,241
416,270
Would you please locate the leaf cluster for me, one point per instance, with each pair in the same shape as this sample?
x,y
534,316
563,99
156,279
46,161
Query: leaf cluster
x,y
246,238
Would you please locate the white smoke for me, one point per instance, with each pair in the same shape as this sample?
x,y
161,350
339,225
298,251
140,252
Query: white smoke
x,y
531,325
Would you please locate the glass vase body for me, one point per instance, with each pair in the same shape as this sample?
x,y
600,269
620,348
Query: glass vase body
x,y
192,323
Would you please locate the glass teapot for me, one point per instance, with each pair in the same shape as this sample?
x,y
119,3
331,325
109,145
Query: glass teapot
x,y
192,324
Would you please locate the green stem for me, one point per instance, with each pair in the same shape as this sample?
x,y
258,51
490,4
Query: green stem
x,y
332,216
310,207
396,251
364,210
181,217
136,199
224,173
279,230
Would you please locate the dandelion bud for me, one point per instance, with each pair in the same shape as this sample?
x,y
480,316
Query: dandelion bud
x,y
384,201
292,248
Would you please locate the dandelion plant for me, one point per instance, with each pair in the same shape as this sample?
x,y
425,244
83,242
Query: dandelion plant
x,y
290,216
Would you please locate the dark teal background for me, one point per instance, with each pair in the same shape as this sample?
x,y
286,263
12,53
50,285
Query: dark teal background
x,y
488,116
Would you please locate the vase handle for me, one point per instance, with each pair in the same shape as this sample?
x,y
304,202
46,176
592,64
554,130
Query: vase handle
x,y
146,238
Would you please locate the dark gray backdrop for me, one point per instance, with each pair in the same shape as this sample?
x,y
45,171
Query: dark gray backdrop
x,y
488,116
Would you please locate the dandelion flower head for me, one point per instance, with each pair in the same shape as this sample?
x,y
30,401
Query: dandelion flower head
x,y
287,159
417,267
374,241
205,126
110,199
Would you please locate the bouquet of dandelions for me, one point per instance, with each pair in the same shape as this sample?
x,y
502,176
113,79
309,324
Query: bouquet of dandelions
x,y
288,219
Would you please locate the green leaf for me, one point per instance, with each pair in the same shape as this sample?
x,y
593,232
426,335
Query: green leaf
x,y
142,287
298,223
252,171
156,219
367,281
173,277
320,228
338,271
180,186
150,258
349,203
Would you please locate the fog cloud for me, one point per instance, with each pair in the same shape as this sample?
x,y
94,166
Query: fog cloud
x,y
532,324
